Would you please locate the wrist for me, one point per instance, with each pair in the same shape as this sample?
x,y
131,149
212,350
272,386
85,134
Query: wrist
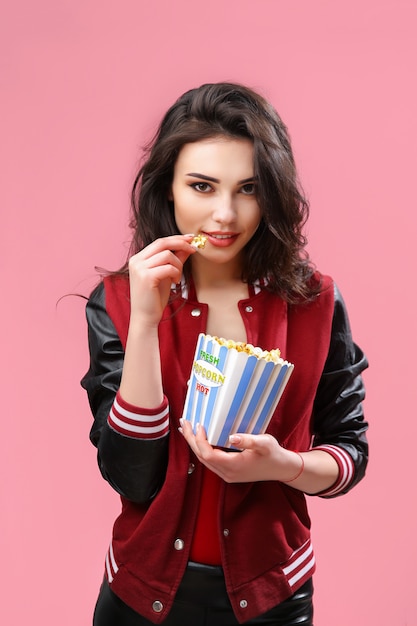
x,y
144,333
298,464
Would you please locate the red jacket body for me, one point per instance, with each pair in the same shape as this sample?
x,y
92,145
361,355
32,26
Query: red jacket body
x,y
264,527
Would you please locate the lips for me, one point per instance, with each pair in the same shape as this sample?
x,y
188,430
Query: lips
x,y
221,240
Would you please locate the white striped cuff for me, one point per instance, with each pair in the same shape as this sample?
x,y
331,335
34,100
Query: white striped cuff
x,y
346,469
111,565
301,565
139,423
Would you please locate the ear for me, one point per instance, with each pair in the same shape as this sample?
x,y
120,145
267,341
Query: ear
x,y
170,195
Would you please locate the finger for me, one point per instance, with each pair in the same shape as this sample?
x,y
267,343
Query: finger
x,y
158,267
185,427
186,430
199,444
184,254
204,447
155,255
161,257
197,441
175,243
257,443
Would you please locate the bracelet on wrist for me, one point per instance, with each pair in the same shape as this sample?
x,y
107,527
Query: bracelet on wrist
x,y
300,471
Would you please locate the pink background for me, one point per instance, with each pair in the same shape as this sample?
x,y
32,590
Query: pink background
x,y
83,85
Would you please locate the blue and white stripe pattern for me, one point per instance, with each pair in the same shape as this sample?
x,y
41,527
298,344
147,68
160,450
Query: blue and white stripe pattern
x,y
231,391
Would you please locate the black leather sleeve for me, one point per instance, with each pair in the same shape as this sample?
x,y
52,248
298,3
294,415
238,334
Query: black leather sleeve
x,y
135,468
338,411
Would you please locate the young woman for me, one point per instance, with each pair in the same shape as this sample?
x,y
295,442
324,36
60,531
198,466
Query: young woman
x,y
207,536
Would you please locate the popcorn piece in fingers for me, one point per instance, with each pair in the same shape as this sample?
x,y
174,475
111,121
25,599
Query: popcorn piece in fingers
x,y
199,241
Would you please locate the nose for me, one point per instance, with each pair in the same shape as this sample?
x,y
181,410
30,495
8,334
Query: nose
x,y
224,209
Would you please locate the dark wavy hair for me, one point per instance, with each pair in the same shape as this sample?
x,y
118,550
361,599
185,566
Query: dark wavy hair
x,y
277,249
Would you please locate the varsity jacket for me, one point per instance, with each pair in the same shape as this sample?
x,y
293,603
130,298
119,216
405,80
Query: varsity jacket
x,y
264,527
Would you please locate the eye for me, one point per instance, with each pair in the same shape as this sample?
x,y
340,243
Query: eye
x,y
249,189
201,187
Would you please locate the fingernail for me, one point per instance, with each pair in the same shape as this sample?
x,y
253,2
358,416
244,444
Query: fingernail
x,y
235,438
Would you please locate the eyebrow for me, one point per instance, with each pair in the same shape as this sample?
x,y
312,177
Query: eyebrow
x,y
216,180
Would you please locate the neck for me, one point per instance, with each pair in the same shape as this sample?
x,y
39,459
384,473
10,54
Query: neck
x,y
208,274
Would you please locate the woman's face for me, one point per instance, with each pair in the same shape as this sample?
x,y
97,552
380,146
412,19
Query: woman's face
x,y
214,193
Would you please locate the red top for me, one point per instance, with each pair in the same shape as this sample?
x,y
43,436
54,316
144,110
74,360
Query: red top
x,y
205,545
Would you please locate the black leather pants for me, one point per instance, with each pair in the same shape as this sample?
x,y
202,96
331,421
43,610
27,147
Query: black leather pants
x,y
191,607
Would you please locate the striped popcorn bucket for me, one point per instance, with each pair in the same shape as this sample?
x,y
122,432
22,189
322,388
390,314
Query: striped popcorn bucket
x,y
231,391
